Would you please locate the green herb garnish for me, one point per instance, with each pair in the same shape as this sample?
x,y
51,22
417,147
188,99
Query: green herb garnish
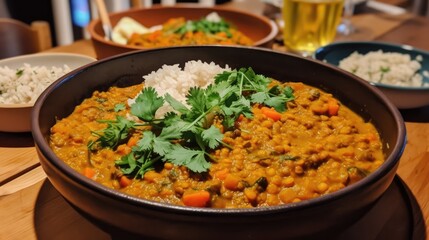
x,y
119,107
19,72
186,136
206,26
117,131
384,69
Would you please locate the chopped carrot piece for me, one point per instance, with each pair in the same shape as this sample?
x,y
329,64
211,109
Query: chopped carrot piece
x,y
151,176
196,199
133,141
123,149
222,34
251,194
296,85
89,172
333,107
154,35
124,181
271,113
231,182
221,174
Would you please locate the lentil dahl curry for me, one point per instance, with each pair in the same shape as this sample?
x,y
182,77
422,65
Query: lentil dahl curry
x,y
179,31
244,141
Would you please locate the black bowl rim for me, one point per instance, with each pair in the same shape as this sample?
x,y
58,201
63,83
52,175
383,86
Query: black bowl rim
x,y
321,52
42,145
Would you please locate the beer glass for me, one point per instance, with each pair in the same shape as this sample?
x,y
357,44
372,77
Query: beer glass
x,y
310,24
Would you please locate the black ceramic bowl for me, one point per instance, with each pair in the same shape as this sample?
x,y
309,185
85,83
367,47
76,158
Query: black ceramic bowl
x,y
325,215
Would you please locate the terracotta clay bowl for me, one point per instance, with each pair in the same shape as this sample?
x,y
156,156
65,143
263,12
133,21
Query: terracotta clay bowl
x,y
258,28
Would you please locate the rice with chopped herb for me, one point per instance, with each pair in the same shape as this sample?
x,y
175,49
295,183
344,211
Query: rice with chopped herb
x,y
25,84
385,67
177,81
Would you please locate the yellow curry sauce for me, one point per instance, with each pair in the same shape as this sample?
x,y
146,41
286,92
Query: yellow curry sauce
x,y
168,36
307,151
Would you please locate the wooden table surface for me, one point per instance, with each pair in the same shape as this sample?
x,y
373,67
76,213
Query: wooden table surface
x,y
30,208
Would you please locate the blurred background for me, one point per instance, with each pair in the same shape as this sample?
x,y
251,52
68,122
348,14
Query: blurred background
x,y
68,18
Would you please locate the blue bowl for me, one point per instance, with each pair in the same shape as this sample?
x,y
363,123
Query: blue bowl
x,y
402,97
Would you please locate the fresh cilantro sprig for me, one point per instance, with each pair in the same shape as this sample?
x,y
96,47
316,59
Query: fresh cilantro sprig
x,y
206,26
117,131
119,107
185,136
275,96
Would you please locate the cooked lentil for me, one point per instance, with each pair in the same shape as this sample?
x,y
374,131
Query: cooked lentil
x,y
167,37
309,152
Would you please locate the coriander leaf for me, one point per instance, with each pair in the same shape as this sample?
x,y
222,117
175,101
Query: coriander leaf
x,y
192,159
159,144
127,164
223,89
162,146
248,72
137,166
223,77
176,105
259,97
212,136
170,118
212,99
240,106
119,107
288,92
277,103
179,123
116,132
146,142
173,131
147,103
234,109
196,99
261,79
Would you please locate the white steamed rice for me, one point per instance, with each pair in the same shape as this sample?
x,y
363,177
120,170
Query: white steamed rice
x,y
385,67
177,82
25,84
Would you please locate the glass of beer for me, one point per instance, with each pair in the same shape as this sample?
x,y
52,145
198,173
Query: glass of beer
x,y
310,24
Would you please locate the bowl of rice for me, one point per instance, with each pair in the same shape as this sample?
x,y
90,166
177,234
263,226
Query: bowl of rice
x,y
24,78
401,72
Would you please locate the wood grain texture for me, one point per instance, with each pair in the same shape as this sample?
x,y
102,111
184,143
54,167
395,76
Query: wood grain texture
x,y
23,181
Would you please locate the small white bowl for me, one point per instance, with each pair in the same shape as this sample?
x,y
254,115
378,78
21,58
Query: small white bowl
x,y
402,97
17,117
